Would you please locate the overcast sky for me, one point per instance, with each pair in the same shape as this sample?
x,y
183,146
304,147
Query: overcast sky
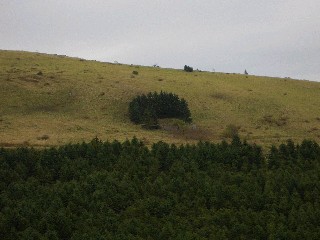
x,y
266,37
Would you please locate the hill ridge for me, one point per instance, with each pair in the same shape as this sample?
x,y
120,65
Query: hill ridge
x,y
49,99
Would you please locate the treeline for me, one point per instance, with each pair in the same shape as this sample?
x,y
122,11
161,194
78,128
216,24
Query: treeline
x,y
147,109
114,190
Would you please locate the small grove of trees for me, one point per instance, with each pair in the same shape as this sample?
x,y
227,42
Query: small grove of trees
x,y
147,109
187,68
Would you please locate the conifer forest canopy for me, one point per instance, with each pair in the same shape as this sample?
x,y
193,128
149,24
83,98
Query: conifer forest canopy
x,y
124,190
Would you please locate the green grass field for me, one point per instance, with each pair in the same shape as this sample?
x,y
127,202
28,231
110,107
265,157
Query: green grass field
x,y
52,100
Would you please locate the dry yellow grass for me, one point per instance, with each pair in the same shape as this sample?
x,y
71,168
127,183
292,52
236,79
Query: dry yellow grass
x,y
52,100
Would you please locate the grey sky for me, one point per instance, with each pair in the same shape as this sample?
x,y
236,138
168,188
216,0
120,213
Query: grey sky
x,y
266,37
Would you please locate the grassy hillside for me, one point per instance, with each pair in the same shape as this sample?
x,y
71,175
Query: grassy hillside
x,y
51,100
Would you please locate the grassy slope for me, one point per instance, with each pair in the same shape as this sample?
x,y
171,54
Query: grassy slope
x,y
75,100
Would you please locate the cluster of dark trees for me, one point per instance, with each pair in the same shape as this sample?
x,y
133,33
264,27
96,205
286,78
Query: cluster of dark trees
x,y
147,109
113,190
188,68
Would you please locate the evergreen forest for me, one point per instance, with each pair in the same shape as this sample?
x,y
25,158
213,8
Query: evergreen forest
x,y
125,190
